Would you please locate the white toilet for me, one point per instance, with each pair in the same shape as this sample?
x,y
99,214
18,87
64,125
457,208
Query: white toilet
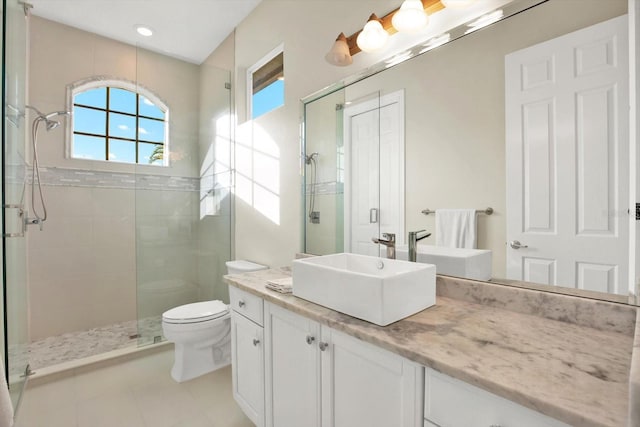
x,y
201,332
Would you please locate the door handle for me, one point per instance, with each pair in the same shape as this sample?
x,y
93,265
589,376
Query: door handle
x,y
373,215
310,339
323,346
517,245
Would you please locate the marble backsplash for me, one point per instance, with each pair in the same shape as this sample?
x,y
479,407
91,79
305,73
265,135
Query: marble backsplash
x,y
592,313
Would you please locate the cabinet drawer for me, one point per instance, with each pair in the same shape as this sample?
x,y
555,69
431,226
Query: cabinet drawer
x,y
248,305
452,403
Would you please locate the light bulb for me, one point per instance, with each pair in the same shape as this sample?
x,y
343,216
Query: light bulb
x,y
456,4
411,17
372,37
339,54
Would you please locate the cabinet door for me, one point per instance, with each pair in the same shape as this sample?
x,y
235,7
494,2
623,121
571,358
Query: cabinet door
x,y
450,402
292,369
363,385
248,367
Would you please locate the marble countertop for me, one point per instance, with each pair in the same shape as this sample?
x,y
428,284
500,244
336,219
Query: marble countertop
x,y
576,374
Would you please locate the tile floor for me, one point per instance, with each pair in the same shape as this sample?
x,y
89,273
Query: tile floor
x,y
80,344
133,393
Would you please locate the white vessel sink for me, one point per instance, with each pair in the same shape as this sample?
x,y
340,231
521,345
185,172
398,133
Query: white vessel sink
x,y
380,291
459,262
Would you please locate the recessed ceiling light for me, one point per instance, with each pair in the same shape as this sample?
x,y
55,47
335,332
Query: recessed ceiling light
x,y
144,31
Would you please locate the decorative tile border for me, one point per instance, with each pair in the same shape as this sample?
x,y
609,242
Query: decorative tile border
x,y
99,179
327,188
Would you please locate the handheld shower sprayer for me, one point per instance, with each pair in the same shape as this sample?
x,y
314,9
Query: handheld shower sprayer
x,y
40,218
314,216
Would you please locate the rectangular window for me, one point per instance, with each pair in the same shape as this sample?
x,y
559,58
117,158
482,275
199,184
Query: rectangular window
x,y
265,84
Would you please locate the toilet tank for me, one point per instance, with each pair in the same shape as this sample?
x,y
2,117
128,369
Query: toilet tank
x,y
240,266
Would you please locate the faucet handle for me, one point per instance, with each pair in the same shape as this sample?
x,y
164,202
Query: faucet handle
x,y
414,234
389,236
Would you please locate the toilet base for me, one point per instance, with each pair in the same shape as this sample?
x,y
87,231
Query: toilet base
x,y
192,361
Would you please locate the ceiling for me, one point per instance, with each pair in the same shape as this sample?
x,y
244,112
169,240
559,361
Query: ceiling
x,y
186,29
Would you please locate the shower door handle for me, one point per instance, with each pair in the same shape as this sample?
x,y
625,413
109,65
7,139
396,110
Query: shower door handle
x,y
373,215
21,217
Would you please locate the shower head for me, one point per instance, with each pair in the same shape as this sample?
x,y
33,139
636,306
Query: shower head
x,y
311,157
52,124
57,113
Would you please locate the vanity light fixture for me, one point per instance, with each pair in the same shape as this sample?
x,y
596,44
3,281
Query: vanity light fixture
x,y
339,54
485,20
411,17
457,4
373,37
144,31
435,42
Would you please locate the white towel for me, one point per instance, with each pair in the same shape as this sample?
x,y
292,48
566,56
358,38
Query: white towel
x,y
6,407
284,285
456,228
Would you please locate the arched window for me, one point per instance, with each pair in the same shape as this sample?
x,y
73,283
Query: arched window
x,y
117,121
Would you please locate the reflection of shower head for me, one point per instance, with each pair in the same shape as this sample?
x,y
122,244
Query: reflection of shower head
x,y
311,157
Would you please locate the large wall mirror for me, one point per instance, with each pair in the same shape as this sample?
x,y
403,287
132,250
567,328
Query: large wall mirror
x,y
528,116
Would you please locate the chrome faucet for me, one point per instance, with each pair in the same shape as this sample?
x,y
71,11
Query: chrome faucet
x,y
390,243
413,243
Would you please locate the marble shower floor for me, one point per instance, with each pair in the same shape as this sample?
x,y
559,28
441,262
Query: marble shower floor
x,y
78,345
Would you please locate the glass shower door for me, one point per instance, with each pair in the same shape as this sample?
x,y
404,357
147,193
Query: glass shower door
x,y
14,74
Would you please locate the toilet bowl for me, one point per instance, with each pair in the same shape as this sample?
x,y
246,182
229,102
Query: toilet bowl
x,y
201,332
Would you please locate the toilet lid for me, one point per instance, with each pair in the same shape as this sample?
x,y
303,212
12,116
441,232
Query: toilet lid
x,y
196,312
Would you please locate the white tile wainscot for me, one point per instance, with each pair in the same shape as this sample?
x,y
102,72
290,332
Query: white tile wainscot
x,y
527,355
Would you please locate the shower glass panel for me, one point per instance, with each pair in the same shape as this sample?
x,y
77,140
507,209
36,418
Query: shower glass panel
x,y
183,209
14,74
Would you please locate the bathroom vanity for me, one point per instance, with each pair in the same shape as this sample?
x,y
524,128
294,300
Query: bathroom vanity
x,y
483,355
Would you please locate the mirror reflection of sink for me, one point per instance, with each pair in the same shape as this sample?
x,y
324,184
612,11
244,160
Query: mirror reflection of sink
x,y
459,262
380,291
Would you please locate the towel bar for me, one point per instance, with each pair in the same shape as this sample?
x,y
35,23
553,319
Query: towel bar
x,y
487,211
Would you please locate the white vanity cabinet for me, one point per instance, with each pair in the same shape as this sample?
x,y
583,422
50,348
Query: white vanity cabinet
x,y
317,376
247,354
449,402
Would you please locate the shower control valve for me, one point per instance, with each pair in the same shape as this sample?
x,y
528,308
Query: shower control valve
x,y
34,221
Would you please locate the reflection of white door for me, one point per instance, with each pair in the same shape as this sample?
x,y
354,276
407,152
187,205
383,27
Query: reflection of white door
x,y
374,172
567,155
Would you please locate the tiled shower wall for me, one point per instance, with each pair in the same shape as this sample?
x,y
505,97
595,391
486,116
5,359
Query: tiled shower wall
x,y
122,241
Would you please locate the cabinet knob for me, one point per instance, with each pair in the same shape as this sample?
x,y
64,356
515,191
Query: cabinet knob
x,y
310,339
240,303
323,345
256,341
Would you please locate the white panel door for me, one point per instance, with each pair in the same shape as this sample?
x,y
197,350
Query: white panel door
x,y
292,369
374,172
363,181
567,151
